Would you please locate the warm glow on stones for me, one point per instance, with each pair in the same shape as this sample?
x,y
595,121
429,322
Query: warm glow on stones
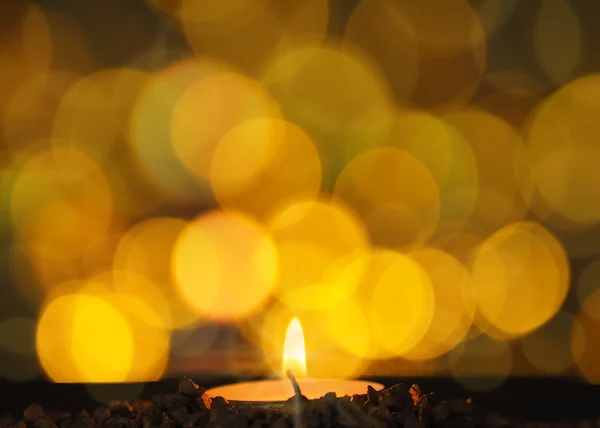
x,y
225,265
294,350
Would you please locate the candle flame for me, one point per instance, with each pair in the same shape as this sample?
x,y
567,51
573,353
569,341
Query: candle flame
x,y
294,350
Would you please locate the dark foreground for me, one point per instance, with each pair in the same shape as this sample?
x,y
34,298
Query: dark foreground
x,y
532,403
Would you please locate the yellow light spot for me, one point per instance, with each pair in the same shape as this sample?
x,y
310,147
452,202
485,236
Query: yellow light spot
x,y
395,194
402,303
208,110
87,332
35,101
432,53
102,342
61,204
454,304
521,278
558,38
268,24
564,153
505,188
144,256
261,164
345,115
448,156
150,129
313,239
25,45
225,265
106,96
294,350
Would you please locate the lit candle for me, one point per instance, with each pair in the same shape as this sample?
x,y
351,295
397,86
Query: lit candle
x,y
280,390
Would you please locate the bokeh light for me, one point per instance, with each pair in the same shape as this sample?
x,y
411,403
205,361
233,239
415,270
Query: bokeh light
x,y
25,45
450,159
585,339
223,29
143,256
549,347
262,163
454,304
558,38
61,203
563,152
380,185
432,54
208,110
218,277
151,127
411,180
315,242
521,277
87,334
107,97
343,116
482,363
588,283
504,185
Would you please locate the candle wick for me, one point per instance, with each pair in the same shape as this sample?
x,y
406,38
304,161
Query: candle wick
x,y
297,399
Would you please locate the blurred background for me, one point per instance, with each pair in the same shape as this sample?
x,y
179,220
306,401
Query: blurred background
x,y
416,181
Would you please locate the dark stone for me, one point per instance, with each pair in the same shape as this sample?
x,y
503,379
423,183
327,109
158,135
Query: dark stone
x,y
220,409
7,421
83,420
121,408
414,423
100,415
372,397
279,423
439,413
33,412
195,419
188,387
359,399
290,406
44,422
118,421
168,400
178,413
395,398
458,407
154,414
380,412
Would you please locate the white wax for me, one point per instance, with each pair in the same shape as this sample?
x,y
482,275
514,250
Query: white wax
x,y
282,389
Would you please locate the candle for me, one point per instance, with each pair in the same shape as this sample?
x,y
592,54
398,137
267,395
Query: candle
x,y
275,391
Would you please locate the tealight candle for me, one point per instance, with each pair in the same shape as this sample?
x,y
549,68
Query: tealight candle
x,y
277,391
